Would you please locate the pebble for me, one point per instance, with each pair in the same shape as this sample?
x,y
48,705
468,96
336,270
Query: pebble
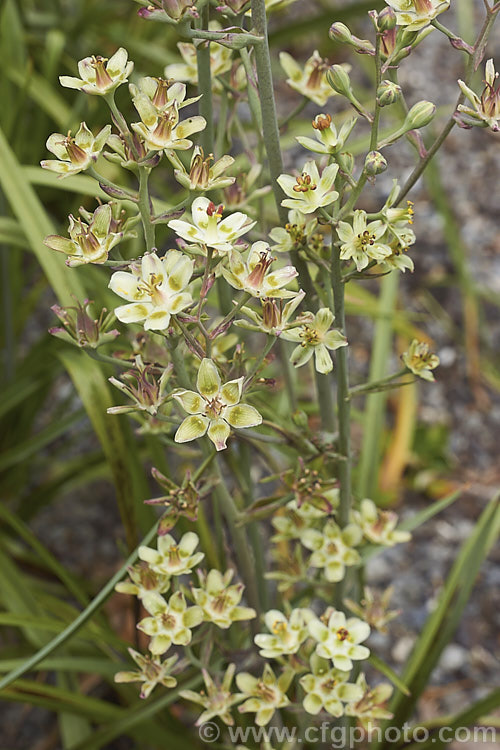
x,y
453,658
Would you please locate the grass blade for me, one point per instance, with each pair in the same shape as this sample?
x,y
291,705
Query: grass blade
x,y
442,623
126,469
82,618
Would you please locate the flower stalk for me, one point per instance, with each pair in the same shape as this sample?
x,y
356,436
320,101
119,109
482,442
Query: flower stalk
x,y
268,104
144,205
205,83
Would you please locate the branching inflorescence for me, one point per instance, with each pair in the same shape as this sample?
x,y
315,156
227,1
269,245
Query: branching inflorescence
x,y
196,373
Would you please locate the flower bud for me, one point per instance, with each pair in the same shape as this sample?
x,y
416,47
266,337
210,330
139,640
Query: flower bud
x,y
419,115
176,9
386,19
345,162
339,80
387,43
375,163
233,6
340,33
82,330
388,93
300,420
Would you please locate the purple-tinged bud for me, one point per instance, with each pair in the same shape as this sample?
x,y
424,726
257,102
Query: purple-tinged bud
x,y
388,93
345,161
234,6
388,42
80,328
339,80
176,9
419,115
461,45
340,33
386,19
375,163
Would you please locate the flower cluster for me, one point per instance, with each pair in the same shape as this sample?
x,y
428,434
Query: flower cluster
x,y
170,622
214,408
192,373
415,14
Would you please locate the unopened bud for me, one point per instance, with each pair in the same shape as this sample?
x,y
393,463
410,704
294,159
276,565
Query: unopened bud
x,y
339,32
419,115
80,328
176,9
236,6
388,93
375,163
345,162
300,420
386,19
339,80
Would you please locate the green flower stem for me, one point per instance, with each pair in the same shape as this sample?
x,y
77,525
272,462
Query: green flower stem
x,y
271,340
359,274
74,627
324,389
378,78
204,282
355,193
241,467
220,143
94,354
233,312
194,343
267,104
239,538
374,409
472,65
343,403
306,283
344,465
207,541
252,436
360,184
324,385
296,111
145,209
179,364
205,84
275,159
439,26
121,122
134,197
288,374
242,40
374,385
119,118
252,93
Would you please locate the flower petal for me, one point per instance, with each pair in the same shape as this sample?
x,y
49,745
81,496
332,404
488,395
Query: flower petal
x,y
230,392
334,339
301,354
208,381
191,125
243,415
157,320
134,313
218,432
191,428
191,401
126,285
